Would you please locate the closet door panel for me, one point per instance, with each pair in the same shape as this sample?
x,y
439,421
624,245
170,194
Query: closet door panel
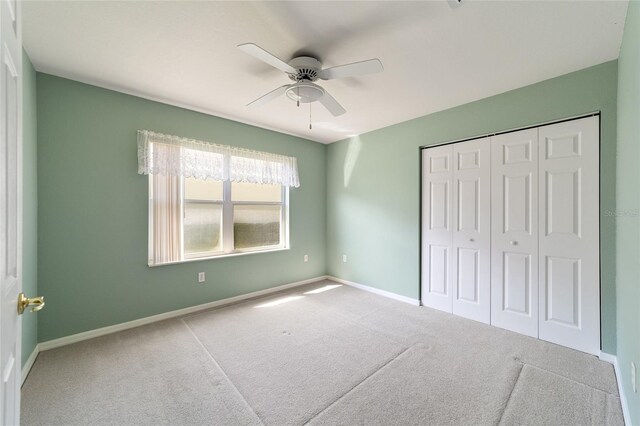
x,y
569,234
437,175
514,238
517,284
472,229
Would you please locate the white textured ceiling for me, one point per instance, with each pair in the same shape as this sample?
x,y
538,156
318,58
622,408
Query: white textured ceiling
x,y
435,56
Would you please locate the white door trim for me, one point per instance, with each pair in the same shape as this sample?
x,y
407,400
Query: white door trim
x,y
11,234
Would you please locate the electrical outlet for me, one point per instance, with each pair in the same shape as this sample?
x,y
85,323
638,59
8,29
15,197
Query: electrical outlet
x,y
634,377
306,257
344,258
201,277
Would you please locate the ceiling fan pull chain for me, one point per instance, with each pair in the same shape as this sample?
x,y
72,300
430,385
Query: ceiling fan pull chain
x,y
309,115
298,93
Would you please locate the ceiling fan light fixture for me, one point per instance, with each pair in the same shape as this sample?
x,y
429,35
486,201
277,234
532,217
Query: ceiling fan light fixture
x,y
304,92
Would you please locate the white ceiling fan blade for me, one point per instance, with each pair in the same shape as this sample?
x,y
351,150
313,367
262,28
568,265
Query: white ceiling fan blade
x,y
371,66
259,53
269,96
331,104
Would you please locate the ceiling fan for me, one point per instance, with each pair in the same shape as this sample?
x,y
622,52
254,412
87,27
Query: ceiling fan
x,y
304,70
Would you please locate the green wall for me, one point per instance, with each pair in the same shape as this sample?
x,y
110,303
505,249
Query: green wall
x,y
92,217
373,180
30,205
628,204
91,226
363,191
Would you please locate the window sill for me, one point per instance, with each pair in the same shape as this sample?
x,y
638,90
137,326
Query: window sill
x,y
220,256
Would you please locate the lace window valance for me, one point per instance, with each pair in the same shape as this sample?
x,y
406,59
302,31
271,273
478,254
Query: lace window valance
x,y
176,156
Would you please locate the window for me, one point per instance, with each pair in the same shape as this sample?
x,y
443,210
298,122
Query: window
x,y
223,217
208,200
258,215
202,211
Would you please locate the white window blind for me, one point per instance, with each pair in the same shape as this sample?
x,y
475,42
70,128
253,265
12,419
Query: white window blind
x,y
167,155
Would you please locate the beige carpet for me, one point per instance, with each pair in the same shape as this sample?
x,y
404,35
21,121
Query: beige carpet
x,y
341,357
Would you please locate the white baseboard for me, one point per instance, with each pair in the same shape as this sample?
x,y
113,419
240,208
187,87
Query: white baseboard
x,y
378,291
67,340
612,359
27,365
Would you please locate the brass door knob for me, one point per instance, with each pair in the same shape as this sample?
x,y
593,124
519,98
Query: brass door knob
x,y
24,301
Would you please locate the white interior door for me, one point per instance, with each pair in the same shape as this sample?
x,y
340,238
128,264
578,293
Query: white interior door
x,y
514,237
569,234
471,274
437,237
10,209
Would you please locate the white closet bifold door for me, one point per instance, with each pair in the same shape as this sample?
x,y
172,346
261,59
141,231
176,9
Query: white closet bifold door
x,y
471,278
514,231
569,234
437,168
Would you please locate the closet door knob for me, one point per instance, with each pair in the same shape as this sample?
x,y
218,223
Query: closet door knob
x,y
471,239
513,243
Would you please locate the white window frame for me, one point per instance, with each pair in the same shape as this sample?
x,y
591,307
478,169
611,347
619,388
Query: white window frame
x,y
227,225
